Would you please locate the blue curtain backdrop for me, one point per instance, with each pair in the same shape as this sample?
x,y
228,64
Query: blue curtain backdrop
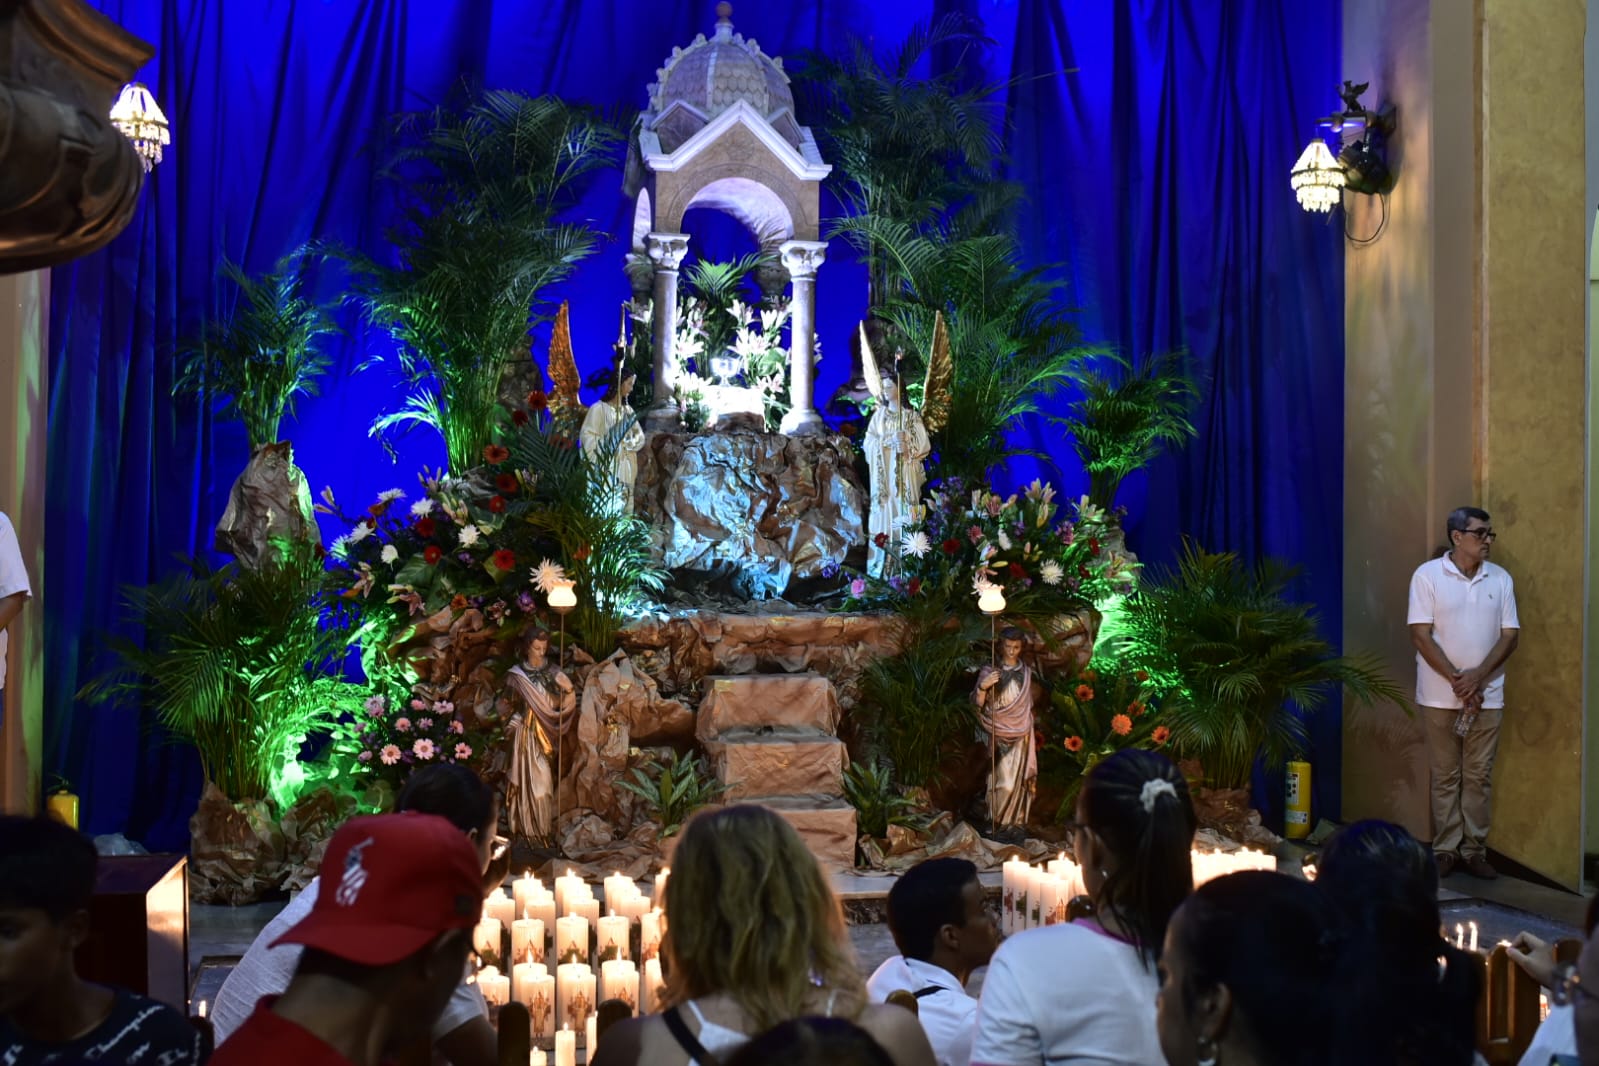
x,y
1153,138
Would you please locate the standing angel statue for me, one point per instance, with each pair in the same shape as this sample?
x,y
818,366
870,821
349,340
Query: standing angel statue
x,y
546,709
597,430
897,441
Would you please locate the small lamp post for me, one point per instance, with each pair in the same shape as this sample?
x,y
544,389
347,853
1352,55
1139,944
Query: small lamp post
x,y
561,599
991,601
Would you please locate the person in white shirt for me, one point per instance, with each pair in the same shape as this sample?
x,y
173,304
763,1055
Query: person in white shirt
x,y
1463,624
1084,993
14,592
462,1034
944,930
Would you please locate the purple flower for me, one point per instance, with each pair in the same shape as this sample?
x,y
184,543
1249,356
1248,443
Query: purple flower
x,y
896,583
830,571
524,602
365,756
465,557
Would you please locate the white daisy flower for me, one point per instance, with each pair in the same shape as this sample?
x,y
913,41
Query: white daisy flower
x,y
915,544
1004,541
547,575
391,494
389,554
339,547
1051,572
360,533
422,507
469,535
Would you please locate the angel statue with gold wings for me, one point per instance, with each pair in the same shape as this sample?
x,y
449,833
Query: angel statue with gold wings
x,y
595,427
897,441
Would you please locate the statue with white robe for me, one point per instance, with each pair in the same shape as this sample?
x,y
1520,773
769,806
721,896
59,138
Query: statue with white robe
x,y
1004,697
895,443
598,425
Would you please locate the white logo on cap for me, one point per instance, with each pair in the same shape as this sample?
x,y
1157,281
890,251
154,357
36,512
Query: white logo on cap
x,y
354,878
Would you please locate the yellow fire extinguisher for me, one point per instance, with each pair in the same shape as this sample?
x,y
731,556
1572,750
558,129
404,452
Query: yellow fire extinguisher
x,y
62,804
1296,817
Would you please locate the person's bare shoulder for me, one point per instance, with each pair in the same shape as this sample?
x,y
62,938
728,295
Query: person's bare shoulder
x,y
638,1040
899,1033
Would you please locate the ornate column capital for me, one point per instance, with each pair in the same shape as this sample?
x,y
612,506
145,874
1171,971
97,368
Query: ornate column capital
x,y
666,250
802,258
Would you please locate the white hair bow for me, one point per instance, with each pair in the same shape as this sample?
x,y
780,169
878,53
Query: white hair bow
x,y
1154,788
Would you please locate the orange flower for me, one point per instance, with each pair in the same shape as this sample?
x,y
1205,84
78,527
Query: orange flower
x,y
1141,675
1121,725
1161,735
458,603
581,552
1084,693
496,453
1074,743
1089,675
1136,708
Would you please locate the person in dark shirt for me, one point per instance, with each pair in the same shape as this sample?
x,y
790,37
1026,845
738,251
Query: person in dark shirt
x,y
48,1014
385,945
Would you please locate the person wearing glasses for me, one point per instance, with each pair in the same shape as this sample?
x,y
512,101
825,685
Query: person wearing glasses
x,y
1463,623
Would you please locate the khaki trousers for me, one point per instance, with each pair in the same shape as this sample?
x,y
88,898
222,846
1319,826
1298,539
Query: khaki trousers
x,y
1462,779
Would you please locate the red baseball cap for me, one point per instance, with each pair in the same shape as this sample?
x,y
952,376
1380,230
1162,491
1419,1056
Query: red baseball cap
x,y
389,884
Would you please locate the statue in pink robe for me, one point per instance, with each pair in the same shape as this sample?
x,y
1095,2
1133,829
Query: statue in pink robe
x,y
1004,696
546,710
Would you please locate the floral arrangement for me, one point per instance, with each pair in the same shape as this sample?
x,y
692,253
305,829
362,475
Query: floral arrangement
x,y
723,342
965,539
1101,711
392,739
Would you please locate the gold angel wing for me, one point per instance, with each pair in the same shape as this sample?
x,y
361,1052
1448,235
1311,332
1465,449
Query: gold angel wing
x,y
565,404
874,378
940,379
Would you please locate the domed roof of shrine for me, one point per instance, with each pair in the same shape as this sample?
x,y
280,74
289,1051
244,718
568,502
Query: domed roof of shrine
x,y
711,75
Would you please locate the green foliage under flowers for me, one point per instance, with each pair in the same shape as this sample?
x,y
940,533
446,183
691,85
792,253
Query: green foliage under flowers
x,y
261,356
1128,411
878,801
1047,564
915,707
673,791
484,193
241,663
1236,666
1104,709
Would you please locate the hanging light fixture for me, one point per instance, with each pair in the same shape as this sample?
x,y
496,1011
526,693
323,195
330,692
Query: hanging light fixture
x,y
1317,179
141,121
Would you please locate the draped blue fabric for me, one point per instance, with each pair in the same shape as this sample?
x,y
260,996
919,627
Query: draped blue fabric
x,y
1153,138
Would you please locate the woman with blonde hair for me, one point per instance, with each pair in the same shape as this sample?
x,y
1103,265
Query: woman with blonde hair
x,y
755,937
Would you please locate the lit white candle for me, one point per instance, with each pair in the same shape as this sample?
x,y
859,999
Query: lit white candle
x,y
635,907
1012,886
612,937
500,907
651,988
566,1048
486,941
523,975
619,980
574,994
1460,936
618,887
572,939
200,1008
649,935
523,889
541,905
660,887
536,1057
591,1035
1472,942
588,908
568,885
527,940
540,1004
496,989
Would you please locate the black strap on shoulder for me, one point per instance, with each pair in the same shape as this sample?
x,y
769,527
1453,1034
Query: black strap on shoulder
x,y
687,1040
923,993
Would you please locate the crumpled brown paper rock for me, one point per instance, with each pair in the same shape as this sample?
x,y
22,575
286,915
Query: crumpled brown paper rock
x,y
238,851
619,707
945,838
307,828
269,501
594,853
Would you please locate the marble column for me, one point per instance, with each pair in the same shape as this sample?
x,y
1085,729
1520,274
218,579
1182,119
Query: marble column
x,y
801,259
666,251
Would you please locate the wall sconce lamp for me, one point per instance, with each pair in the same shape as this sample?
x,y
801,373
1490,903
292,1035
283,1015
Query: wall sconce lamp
x,y
1320,179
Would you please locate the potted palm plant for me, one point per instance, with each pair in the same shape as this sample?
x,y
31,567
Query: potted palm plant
x,y
1128,411
1236,665
254,363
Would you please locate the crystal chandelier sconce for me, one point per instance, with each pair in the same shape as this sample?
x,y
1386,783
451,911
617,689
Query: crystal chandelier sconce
x,y
1317,179
141,121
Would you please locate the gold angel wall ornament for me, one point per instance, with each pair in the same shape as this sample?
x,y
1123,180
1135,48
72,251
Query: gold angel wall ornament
x,y
896,441
566,406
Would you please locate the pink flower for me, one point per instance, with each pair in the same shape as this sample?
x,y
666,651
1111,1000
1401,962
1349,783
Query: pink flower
x,y
463,751
402,725
390,754
418,705
374,705
458,727
423,749
995,505
365,756
974,534
857,587
424,723
443,707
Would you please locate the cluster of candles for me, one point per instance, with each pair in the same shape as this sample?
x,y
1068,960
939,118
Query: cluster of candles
x,y
519,931
1041,895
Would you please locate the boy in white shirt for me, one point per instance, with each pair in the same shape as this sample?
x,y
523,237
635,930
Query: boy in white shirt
x,y
14,592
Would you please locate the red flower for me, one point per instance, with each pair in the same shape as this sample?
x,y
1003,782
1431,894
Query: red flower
x,y
1160,735
537,400
1140,675
372,523
376,509
1074,743
424,527
1018,571
1089,675
1084,693
433,554
506,483
915,587
1136,709
880,540
951,546
1093,545
504,559
497,504
321,552
1121,725
581,552
1082,570
496,453
519,416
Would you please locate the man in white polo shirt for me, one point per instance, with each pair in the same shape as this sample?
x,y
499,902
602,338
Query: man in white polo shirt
x,y
1464,626
14,592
